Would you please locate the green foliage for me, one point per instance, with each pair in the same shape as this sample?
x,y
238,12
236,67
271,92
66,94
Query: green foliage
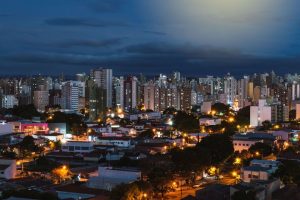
x,y
220,108
190,159
243,195
146,134
262,148
74,122
186,122
24,111
160,179
289,172
170,111
292,115
27,146
219,147
243,116
29,194
43,164
266,125
133,191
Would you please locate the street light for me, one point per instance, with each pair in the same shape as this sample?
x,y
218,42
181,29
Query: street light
x,y
230,119
145,195
234,174
237,161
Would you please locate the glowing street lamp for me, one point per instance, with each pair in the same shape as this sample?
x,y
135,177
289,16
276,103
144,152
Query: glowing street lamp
x,y
230,119
234,174
237,161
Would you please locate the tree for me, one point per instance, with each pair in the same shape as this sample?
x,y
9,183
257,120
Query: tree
x,y
266,125
43,164
27,146
169,111
244,195
133,191
24,111
289,172
186,122
62,173
189,159
243,116
160,179
220,108
74,122
146,134
219,146
292,115
261,148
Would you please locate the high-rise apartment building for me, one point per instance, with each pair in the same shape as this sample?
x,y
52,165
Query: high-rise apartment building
x,y
103,79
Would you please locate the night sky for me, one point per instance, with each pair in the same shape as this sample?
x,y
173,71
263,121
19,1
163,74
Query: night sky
x,y
196,37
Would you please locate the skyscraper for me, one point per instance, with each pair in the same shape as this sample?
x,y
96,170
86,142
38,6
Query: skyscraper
x,y
103,79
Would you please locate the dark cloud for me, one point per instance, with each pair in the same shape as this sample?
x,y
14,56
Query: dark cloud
x,y
156,33
161,58
92,43
82,22
188,51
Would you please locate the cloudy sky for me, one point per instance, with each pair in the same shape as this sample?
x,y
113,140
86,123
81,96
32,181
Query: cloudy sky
x,y
196,37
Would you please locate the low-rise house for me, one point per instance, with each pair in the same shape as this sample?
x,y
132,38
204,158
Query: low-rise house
x,y
78,146
271,164
109,177
244,144
51,136
8,168
263,190
95,156
114,156
29,127
153,147
79,191
135,155
214,192
121,142
259,191
209,121
57,128
255,172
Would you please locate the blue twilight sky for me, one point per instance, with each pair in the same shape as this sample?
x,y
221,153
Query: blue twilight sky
x,y
196,37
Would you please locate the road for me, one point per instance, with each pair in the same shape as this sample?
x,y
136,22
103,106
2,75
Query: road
x,y
185,192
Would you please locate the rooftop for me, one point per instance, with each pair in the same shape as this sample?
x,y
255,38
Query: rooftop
x,y
255,168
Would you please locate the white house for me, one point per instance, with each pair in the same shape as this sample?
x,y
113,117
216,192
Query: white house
x,y
8,168
255,173
78,146
121,142
209,121
109,177
240,144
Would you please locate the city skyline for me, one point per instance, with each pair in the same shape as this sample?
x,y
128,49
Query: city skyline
x,y
196,38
